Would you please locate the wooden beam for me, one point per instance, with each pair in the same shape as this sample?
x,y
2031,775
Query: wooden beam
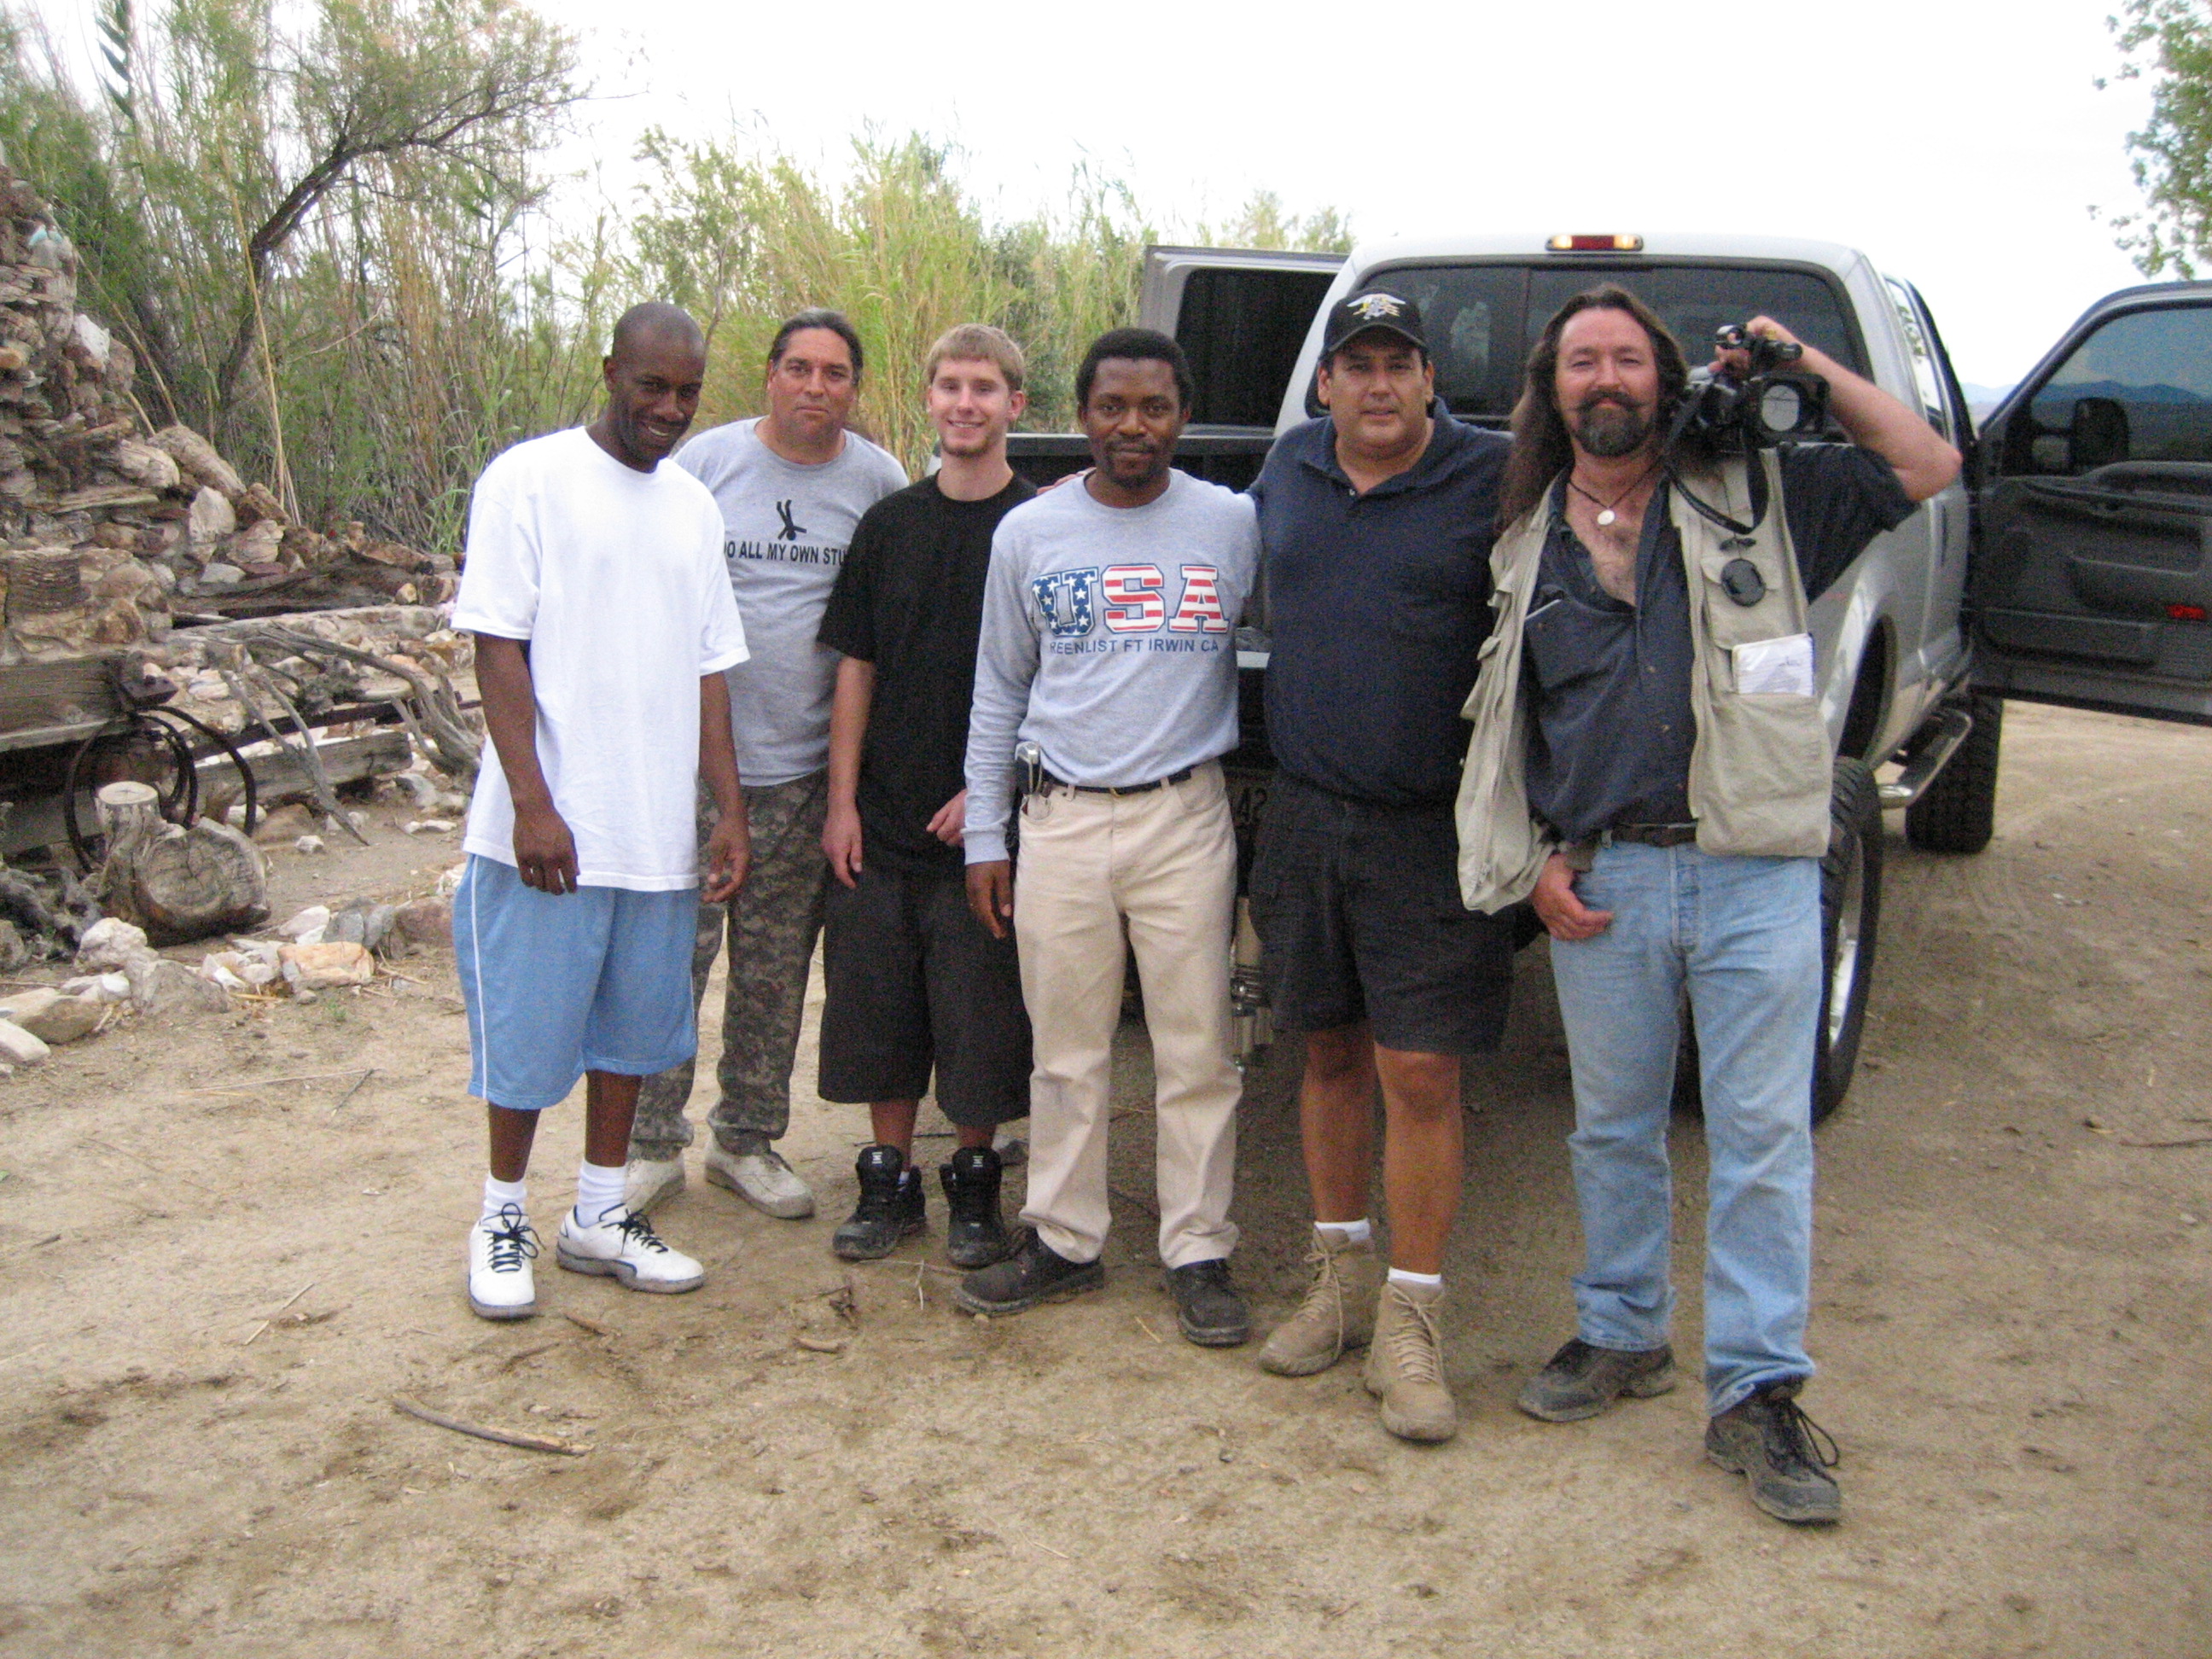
x,y
60,691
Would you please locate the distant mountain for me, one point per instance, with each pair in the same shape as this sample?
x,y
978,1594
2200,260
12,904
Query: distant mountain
x,y
1981,399
2119,391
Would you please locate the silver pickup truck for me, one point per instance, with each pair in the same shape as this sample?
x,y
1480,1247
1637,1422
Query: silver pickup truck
x,y
2067,564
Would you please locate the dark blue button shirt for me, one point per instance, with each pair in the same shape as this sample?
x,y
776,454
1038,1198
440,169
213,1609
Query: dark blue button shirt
x,y
1609,684
1376,604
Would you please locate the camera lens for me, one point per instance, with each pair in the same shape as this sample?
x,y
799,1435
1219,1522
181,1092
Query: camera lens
x,y
1781,407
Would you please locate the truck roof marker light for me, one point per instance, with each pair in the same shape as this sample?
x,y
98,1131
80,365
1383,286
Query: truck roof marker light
x,y
1569,242
2185,612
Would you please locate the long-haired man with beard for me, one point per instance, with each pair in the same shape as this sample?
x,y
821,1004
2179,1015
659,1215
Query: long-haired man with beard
x,y
1651,769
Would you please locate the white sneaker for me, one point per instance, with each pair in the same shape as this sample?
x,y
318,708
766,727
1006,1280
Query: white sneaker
x,y
763,1179
623,1245
647,1182
500,1285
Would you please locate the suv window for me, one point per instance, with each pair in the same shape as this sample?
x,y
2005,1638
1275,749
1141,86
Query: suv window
x,y
2138,389
1482,318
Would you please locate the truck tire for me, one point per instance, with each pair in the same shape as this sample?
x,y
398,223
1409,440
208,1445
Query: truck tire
x,y
1850,914
1957,812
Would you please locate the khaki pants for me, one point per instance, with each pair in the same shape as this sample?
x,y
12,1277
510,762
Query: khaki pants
x,y
1163,864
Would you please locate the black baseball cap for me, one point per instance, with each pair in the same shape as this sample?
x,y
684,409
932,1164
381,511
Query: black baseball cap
x,y
1373,308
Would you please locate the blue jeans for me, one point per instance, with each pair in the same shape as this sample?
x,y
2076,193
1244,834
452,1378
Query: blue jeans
x,y
1743,934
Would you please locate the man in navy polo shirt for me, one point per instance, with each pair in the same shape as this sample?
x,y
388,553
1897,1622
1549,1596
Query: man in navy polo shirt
x,y
1376,524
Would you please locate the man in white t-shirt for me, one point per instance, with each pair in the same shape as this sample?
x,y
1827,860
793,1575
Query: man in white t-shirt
x,y
603,627
791,485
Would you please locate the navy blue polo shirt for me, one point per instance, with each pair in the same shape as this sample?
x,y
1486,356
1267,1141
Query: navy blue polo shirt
x,y
1376,604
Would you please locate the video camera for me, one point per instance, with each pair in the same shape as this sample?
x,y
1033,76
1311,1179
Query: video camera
x,y
1772,405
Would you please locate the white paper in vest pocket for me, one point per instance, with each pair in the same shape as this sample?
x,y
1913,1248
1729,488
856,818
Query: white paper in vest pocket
x,y
1775,667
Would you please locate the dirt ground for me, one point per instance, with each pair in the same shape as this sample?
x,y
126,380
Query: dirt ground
x,y
220,1259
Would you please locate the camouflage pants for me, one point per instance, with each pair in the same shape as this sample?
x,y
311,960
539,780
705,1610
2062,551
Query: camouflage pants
x,y
772,925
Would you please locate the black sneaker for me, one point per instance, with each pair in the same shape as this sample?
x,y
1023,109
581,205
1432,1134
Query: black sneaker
x,y
890,1207
1035,1273
1582,1380
1785,1454
1207,1307
975,1237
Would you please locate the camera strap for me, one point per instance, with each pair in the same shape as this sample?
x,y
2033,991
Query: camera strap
x,y
1686,413
1710,514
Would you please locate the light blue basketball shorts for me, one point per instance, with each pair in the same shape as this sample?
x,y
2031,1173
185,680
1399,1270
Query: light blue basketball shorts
x,y
557,985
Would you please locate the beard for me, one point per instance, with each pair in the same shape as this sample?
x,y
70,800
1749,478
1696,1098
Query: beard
x,y
1608,427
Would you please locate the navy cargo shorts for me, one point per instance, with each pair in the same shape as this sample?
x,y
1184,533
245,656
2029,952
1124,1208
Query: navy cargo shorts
x,y
1359,913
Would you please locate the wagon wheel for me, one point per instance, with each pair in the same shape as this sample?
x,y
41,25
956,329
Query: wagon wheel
x,y
154,747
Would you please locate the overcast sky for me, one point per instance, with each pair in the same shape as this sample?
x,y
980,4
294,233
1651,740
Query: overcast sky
x,y
1961,144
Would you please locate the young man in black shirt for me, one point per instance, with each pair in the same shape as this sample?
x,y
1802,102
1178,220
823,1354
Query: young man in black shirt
x,y
913,981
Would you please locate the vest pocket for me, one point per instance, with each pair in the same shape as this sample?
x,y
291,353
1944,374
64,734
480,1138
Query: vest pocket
x,y
1775,797
1728,624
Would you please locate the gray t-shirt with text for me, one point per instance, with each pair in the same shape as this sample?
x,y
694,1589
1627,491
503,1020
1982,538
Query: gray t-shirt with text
x,y
1109,641
786,528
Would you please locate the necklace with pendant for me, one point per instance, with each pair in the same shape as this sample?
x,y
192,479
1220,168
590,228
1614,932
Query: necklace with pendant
x,y
1606,514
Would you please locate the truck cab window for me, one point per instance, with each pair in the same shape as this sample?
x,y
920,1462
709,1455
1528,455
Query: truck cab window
x,y
1468,313
2138,389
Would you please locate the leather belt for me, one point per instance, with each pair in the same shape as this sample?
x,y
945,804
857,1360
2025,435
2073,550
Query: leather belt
x,y
1650,835
1183,776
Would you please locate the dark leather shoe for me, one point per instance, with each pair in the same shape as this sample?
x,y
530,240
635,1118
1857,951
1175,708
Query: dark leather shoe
x,y
1207,1308
1035,1273
890,1207
975,1237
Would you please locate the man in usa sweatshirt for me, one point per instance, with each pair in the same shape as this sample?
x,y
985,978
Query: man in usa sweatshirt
x,y
1108,655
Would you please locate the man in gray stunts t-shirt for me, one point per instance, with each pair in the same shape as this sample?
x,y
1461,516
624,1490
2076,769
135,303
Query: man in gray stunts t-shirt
x,y
792,485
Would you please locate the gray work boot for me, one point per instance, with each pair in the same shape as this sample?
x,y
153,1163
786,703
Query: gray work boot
x,y
1785,1454
1581,1380
1406,1363
1338,1313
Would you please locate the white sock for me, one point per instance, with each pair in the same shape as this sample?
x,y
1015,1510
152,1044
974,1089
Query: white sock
x,y
498,1194
598,1189
1349,1233
1426,1281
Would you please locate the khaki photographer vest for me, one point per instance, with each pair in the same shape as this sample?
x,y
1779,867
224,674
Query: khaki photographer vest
x,y
1760,765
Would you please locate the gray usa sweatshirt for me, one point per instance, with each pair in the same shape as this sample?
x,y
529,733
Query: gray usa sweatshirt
x,y
1108,640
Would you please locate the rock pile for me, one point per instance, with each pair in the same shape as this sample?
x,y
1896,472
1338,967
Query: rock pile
x,y
109,532
314,952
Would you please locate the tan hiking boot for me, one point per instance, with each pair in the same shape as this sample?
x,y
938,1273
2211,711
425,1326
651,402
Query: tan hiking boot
x,y
1338,1313
1406,1365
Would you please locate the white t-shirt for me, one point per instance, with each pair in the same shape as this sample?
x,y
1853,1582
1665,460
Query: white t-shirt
x,y
615,577
786,528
